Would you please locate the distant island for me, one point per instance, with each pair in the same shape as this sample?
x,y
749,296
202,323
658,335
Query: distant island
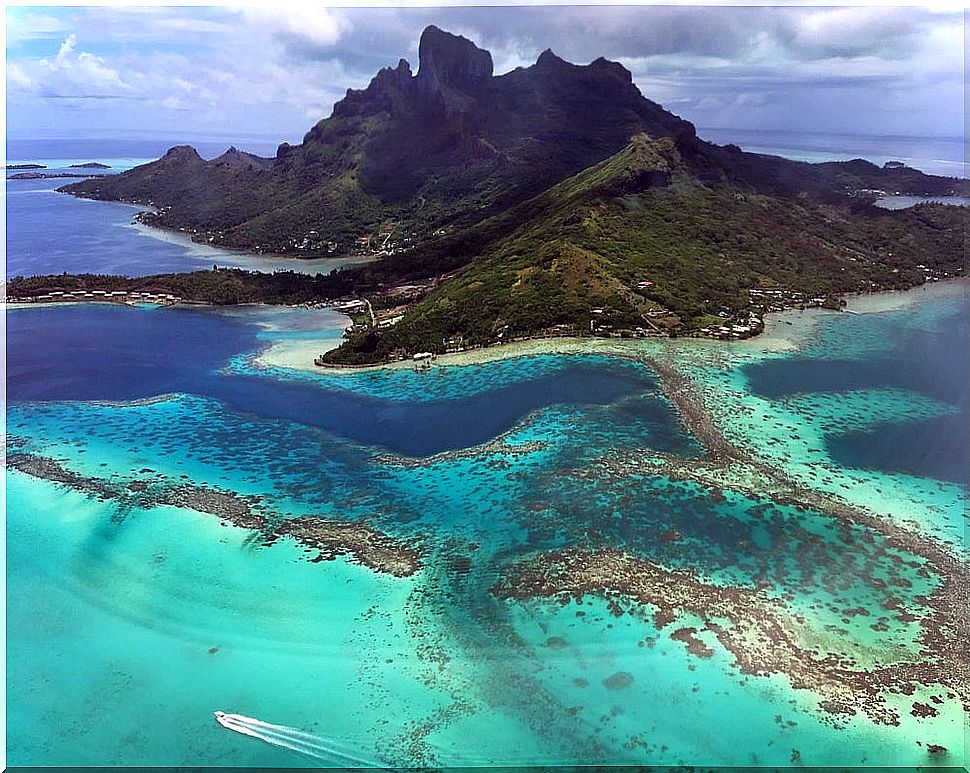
x,y
90,165
26,166
552,200
49,175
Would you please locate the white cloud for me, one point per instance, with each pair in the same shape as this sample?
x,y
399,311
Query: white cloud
x,y
194,26
25,24
17,78
299,25
72,74
67,47
890,32
263,68
174,103
511,55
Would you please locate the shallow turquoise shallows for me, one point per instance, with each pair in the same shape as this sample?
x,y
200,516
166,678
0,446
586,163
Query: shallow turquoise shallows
x,y
128,626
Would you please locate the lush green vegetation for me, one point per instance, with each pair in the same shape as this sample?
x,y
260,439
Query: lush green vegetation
x,y
224,286
640,233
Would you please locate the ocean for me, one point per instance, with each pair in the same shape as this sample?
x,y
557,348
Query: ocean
x,y
783,520
914,363
50,232
944,156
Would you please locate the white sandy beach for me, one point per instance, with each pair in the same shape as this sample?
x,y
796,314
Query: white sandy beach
x,y
265,264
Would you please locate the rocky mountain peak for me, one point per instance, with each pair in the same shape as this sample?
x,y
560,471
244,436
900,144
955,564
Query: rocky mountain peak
x,y
613,68
238,159
183,153
377,96
547,59
399,75
450,61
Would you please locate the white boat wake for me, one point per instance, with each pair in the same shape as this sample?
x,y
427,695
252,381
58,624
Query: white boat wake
x,y
295,740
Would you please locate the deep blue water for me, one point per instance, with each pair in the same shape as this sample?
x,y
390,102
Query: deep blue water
x,y
933,155
88,352
931,361
49,232
934,448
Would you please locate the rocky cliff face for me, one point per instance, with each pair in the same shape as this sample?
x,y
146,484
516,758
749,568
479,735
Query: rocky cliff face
x,y
455,133
377,97
450,63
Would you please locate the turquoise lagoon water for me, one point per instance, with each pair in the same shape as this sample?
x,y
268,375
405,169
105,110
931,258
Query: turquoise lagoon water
x,y
116,614
907,359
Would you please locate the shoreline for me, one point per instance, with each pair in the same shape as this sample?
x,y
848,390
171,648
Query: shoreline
x,y
783,331
776,335
786,330
248,261
894,300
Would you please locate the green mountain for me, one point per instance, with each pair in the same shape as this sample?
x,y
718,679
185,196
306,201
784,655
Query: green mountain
x,y
411,155
664,237
552,199
405,156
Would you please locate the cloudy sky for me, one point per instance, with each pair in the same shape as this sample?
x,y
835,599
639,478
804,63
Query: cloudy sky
x,y
233,71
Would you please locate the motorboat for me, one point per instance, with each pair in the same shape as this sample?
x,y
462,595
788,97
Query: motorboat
x,y
223,719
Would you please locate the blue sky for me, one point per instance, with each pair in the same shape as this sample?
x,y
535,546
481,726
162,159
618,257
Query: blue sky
x,y
261,70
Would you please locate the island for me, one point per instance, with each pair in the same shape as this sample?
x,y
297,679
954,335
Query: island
x,y
50,175
553,200
26,166
90,165
605,526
